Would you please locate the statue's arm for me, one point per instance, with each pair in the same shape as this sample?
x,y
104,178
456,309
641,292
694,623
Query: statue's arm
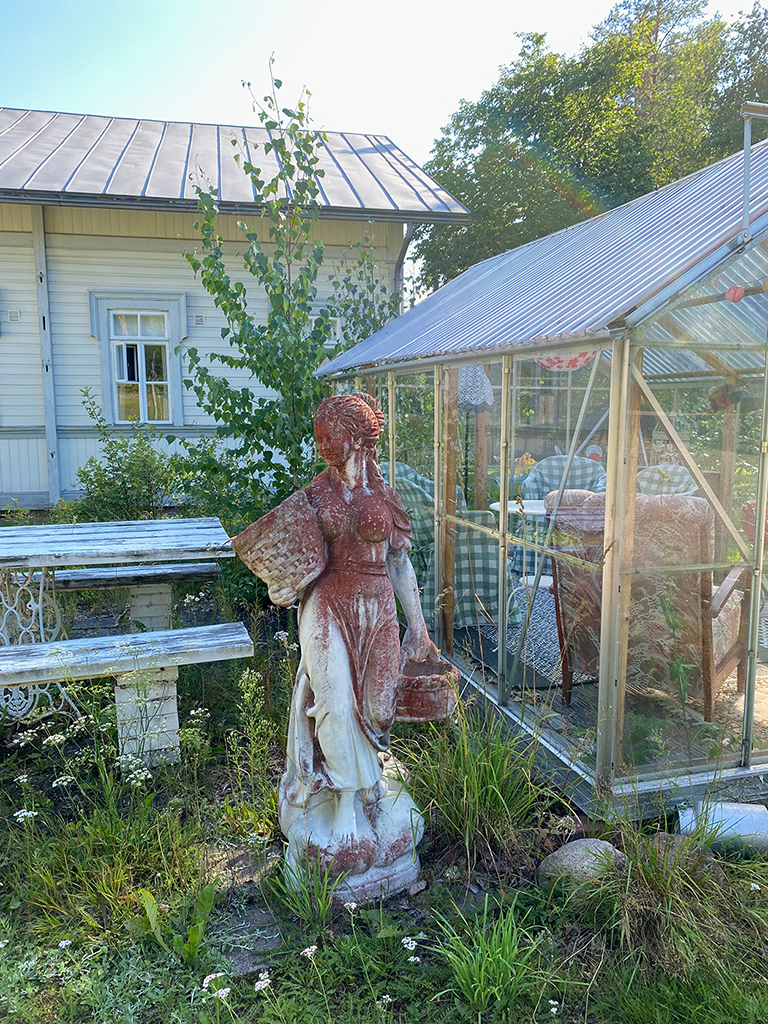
x,y
416,644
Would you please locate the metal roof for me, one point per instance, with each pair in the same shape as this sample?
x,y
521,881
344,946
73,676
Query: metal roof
x,y
90,160
581,281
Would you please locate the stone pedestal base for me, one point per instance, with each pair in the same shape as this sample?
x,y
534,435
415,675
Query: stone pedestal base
x,y
379,882
371,843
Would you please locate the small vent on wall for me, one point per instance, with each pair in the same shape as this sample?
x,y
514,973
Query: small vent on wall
x,y
14,316
199,320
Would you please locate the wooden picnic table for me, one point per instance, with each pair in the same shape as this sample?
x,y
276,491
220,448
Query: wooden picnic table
x,y
143,540
29,616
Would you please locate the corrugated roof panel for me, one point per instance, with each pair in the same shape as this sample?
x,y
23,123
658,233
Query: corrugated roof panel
x,y
18,161
166,177
94,173
578,281
136,161
68,155
47,156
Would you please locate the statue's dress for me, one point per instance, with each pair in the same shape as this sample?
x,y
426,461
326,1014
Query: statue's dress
x,y
345,696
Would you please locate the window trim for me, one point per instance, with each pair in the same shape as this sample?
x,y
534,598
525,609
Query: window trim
x,y
100,302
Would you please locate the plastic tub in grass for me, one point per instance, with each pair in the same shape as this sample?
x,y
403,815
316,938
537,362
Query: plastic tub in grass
x,y
728,823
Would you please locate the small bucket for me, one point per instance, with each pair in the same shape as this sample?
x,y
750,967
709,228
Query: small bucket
x,y
427,690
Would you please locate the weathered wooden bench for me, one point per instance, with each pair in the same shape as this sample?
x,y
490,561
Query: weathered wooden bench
x,y
149,586
145,667
105,577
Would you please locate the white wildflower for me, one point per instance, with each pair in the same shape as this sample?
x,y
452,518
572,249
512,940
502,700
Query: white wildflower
x,y
409,943
212,977
221,993
4,943
282,636
754,887
421,935
64,780
351,907
554,1006
56,738
385,1000
24,815
309,952
414,959
21,779
263,982
65,943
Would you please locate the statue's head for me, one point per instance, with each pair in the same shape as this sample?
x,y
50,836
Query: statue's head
x,y
346,423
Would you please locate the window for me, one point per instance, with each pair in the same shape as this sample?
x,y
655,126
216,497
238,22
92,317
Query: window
x,y
139,334
140,345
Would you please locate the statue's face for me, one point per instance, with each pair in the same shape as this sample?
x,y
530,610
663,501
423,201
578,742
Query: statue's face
x,y
334,442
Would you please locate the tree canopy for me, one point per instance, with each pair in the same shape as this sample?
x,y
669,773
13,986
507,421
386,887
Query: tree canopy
x,y
655,95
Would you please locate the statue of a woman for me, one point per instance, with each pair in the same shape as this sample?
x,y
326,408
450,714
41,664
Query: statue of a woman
x,y
336,806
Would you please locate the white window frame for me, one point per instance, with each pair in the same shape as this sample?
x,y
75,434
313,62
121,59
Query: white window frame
x,y
102,302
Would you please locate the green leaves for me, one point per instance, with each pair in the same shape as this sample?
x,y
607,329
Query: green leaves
x,y
652,97
269,420
149,924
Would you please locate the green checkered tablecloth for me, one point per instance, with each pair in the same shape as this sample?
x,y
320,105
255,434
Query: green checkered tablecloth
x,y
476,580
544,477
666,479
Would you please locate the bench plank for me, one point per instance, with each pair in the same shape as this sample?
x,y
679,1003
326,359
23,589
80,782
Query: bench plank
x,y
144,540
131,576
127,652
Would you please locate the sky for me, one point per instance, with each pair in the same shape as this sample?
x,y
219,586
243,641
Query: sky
x,y
396,68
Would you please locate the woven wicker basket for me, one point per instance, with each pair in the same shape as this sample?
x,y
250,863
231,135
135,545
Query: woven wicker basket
x,y
284,548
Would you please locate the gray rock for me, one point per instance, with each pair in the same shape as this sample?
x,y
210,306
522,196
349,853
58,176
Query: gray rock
x,y
579,860
672,853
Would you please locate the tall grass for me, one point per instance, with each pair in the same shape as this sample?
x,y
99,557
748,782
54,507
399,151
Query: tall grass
x,y
476,782
675,912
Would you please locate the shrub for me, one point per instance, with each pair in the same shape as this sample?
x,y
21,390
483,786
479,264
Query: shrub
x,y
132,479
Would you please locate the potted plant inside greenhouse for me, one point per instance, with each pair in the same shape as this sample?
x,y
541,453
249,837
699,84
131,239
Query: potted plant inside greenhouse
x,y
578,431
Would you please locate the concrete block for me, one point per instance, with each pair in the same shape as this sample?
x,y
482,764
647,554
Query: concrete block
x,y
147,714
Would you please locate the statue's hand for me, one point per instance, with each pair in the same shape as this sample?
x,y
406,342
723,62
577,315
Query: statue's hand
x,y
416,645
283,596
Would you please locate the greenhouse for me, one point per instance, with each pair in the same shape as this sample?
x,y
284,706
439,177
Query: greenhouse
x,y
578,431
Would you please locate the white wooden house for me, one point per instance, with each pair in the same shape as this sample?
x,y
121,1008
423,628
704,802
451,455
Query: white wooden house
x,y
95,216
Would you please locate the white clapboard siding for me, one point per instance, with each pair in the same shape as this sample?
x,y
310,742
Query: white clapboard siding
x,y
93,657
21,390
145,540
22,468
74,271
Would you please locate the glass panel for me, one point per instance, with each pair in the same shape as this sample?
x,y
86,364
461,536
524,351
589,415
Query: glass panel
x,y
125,325
415,471
131,362
705,358
156,362
468,597
558,664
681,707
157,403
153,325
128,407
119,362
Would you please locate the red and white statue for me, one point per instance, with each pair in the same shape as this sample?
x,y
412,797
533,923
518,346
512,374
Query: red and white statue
x,y
341,547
